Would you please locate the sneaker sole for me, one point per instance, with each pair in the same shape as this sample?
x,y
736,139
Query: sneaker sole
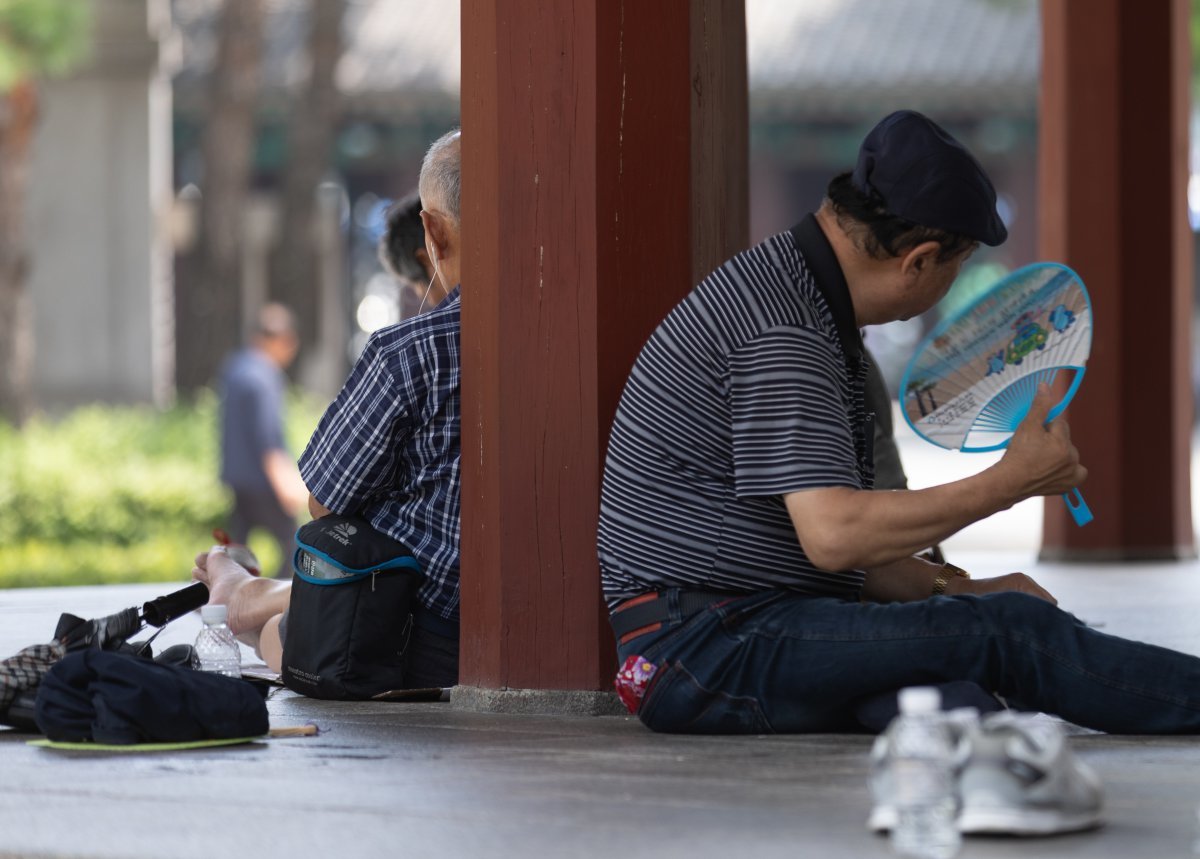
x,y
1023,821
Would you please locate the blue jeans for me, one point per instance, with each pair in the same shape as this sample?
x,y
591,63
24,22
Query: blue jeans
x,y
784,662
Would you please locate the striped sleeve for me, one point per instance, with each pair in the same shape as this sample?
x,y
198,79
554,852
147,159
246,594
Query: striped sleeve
x,y
790,427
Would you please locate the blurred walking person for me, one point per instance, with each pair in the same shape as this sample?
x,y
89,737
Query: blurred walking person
x,y
255,462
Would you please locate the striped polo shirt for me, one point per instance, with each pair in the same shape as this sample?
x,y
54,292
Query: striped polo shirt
x,y
751,388
387,449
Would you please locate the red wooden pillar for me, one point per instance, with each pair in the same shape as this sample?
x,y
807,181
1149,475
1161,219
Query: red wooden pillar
x,y
604,171
1113,184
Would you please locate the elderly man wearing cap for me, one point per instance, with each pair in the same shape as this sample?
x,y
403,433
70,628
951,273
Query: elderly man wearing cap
x,y
755,583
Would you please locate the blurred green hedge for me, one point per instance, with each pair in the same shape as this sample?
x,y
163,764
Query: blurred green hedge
x,y
119,494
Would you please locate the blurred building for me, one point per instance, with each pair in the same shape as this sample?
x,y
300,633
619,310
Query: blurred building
x,y
99,205
398,79
821,73
397,82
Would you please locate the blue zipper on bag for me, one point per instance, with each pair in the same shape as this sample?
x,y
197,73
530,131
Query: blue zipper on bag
x,y
318,568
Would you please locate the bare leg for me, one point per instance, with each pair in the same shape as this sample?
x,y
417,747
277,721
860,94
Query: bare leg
x,y
270,645
255,604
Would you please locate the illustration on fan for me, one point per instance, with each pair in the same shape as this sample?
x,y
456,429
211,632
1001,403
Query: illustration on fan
x,y
922,390
1061,318
1030,336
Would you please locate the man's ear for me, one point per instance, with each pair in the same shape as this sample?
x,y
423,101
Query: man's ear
x,y
919,259
434,230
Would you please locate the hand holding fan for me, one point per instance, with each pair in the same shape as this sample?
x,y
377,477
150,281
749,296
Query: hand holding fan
x,y
973,379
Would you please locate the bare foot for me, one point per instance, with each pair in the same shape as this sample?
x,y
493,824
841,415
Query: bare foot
x,y
222,575
251,601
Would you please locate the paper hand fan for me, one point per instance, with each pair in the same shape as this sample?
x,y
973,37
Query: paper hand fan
x,y
973,379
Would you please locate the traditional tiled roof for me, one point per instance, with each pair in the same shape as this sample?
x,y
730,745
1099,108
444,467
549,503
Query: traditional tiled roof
x,y
825,57
852,56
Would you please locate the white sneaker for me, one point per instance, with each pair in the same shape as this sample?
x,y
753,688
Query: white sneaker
x,y
1021,778
962,722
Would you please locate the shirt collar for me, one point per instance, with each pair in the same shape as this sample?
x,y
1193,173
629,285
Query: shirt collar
x,y
822,262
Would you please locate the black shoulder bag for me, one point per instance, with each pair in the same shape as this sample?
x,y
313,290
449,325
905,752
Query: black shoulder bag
x,y
351,613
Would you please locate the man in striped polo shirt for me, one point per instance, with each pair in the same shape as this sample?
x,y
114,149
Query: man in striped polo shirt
x,y
760,584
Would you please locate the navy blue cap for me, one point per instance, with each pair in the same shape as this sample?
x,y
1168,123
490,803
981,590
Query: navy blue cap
x,y
924,175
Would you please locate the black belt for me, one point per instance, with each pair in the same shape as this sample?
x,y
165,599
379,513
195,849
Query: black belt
x,y
652,608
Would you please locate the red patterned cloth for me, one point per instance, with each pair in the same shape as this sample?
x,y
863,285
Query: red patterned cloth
x,y
632,680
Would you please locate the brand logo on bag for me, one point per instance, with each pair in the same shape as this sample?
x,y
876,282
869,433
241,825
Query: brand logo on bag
x,y
342,532
305,677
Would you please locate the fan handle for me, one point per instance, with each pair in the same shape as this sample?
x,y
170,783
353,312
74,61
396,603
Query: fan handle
x,y
1080,512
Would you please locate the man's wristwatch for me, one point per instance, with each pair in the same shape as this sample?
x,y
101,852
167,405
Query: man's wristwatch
x,y
945,574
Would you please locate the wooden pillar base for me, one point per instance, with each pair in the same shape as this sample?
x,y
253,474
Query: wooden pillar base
x,y
536,702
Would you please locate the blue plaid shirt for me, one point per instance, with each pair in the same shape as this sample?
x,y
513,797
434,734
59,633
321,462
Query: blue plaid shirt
x,y
387,448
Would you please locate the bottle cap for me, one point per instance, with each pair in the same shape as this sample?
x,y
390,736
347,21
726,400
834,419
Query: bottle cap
x,y
920,699
214,613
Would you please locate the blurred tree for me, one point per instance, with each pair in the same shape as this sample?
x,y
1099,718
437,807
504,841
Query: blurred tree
x,y
208,279
37,38
312,126
1195,33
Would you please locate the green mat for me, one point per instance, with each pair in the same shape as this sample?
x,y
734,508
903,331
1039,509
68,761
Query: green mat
x,y
141,747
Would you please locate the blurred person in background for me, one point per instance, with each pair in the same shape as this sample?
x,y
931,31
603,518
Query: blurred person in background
x,y
255,463
403,255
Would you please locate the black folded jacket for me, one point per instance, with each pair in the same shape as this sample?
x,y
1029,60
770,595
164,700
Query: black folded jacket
x,y
122,699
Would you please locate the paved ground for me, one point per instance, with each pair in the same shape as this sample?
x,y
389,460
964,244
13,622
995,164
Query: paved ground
x,y
415,779
426,779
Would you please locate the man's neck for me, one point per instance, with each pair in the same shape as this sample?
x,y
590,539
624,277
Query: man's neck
x,y
863,274
449,275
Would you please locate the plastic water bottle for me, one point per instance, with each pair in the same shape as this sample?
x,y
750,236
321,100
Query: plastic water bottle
x,y
216,648
923,778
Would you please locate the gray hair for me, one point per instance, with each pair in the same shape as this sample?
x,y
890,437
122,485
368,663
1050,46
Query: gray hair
x,y
441,175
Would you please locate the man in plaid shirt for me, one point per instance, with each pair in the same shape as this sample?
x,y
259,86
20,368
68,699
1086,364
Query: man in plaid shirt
x,y
387,450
